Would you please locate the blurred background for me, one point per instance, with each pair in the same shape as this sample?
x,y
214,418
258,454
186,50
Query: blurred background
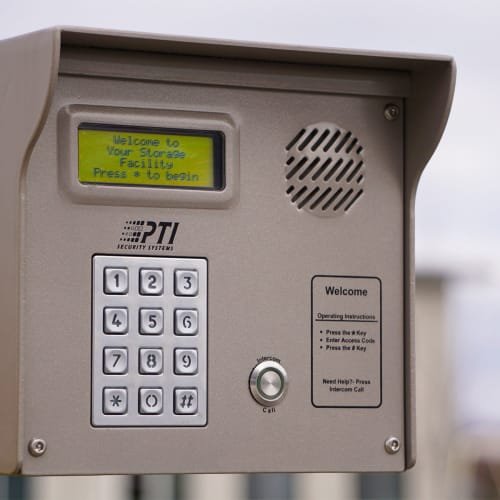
x,y
457,238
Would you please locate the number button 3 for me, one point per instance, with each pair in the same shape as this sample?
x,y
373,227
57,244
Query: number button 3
x,y
151,282
115,360
186,322
151,321
186,361
186,283
115,320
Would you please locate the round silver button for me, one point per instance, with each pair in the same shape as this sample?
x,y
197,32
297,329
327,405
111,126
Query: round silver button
x,y
268,383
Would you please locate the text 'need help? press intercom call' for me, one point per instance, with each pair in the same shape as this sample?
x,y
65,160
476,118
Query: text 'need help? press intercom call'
x,y
208,253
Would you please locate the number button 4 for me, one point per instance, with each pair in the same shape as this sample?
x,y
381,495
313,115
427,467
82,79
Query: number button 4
x,y
151,321
150,361
186,283
115,320
151,282
186,322
186,361
115,280
115,360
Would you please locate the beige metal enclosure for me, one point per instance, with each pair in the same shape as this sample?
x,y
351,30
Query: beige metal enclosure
x,y
207,253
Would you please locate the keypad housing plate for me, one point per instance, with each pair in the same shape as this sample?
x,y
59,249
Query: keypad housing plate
x,y
133,340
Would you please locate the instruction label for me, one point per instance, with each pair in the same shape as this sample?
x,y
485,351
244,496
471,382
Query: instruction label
x,y
346,337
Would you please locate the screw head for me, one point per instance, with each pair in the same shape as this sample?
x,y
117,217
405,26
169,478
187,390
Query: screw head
x,y
392,445
391,112
37,447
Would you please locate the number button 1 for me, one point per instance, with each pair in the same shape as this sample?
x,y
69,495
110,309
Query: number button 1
x,y
151,321
115,280
186,361
186,283
151,282
186,322
115,360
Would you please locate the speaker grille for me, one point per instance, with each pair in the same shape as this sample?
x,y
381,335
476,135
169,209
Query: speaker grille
x,y
324,170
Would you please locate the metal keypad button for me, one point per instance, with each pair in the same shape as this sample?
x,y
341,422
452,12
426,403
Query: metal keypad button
x,y
115,320
186,322
186,401
186,282
115,280
115,360
151,282
151,361
151,321
114,400
151,400
186,361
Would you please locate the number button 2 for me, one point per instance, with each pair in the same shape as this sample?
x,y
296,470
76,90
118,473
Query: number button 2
x,y
186,321
151,282
115,360
186,283
151,321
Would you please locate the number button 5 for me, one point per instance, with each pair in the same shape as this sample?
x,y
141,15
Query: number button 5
x,y
151,321
186,283
186,321
115,320
151,281
115,360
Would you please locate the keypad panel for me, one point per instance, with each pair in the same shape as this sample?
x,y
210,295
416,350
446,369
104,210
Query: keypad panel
x,y
149,341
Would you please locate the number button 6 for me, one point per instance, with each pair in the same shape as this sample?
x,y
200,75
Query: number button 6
x,y
186,321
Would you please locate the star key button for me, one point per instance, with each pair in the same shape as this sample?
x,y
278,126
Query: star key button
x,y
114,400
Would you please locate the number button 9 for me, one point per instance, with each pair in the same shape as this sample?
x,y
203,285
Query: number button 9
x,y
186,283
151,282
186,361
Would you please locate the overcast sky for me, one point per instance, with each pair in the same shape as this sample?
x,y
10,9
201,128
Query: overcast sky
x,y
458,202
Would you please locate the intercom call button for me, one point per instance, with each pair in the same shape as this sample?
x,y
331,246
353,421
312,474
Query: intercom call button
x,y
115,280
186,282
115,400
115,320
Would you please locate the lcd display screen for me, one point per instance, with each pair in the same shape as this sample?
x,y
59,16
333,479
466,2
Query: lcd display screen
x,y
150,157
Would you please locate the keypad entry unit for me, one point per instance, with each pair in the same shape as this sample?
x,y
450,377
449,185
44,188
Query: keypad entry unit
x,y
149,341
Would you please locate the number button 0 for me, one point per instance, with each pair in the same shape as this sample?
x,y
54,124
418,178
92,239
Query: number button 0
x,y
115,360
115,280
186,321
151,321
186,283
115,320
186,361
151,282
150,361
